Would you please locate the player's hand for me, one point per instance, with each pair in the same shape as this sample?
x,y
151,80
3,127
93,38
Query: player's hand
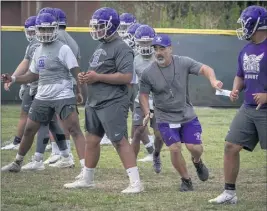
x,y
234,95
260,98
7,86
6,78
81,77
79,98
91,77
216,84
146,119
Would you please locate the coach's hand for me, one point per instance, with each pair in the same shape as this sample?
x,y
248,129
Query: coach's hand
x,y
216,84
6,78
234,95
91,77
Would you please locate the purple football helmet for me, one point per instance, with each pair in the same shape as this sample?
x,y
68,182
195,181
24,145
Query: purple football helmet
x,y
61,17
104,23
143,37
29,28
46,28
253,18
126,20
48,10
129,36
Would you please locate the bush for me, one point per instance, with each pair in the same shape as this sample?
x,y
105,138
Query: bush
x,y
188,15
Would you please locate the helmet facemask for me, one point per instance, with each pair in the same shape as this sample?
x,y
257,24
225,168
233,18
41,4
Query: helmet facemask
x,y
122,30
247,29
99,29
129,40
30,33
144,46
46,33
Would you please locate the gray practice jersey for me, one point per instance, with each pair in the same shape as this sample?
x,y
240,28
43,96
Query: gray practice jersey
x,y
169,87
64,37
29,55
53,63
140,64
110,57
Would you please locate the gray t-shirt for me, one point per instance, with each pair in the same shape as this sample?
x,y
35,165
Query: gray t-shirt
x,y
65,38
169,87
29,55
110,57
140,64
53,62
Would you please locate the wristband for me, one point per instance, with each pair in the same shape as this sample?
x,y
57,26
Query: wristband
x,y
13,79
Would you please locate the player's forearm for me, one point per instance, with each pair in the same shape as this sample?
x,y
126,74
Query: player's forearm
x,y
22,68
144,102
26,78
116,78
208,72
75,71
238,83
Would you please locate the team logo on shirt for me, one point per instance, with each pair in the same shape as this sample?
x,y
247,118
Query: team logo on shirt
x,y
251,63
94,61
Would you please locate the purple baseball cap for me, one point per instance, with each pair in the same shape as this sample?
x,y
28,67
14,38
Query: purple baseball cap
x,y
162,40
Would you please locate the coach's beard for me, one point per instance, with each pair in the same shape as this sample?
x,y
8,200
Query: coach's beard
x,y
160,60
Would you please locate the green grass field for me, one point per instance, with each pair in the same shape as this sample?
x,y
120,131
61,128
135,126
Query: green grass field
x,y
36,191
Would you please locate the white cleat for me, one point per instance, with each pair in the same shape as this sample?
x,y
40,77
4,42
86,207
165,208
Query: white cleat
x,y
136,187
34,165
80,176
52,158
81,183
225,198
12,167
10,147
148,158
63,163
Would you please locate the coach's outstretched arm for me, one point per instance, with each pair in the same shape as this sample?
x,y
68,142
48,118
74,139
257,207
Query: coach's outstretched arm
x,y
209,73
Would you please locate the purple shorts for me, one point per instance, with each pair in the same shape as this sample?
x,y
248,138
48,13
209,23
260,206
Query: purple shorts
x,y
188,133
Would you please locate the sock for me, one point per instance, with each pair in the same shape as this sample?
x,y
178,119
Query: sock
x,y
55,149
186,180
68,145
230,187
19,159
82,161
149,147
38,156
65,153
16,140
133,174
88,174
